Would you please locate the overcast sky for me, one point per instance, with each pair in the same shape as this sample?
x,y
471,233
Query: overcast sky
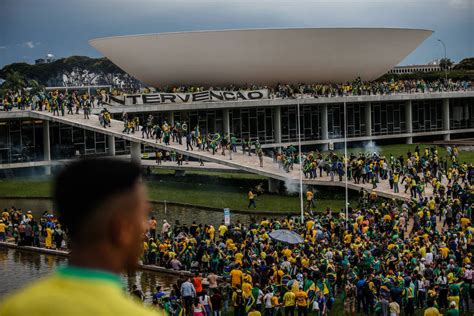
x,y
30,29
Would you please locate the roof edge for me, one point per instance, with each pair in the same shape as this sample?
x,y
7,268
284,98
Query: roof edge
x,y
259,29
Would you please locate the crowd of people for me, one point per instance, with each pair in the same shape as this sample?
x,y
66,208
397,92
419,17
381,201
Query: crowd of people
x,y
177,132
53,101
58,102
26,230
415,171
388,256
355,88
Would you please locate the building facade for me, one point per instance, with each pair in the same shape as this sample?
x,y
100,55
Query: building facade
x,y
403,118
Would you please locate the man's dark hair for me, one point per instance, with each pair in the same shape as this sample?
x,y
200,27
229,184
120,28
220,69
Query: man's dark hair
x,y
81,187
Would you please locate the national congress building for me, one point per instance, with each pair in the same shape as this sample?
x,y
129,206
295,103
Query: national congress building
x,y
263,57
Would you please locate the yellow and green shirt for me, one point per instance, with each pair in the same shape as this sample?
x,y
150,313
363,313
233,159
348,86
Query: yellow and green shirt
x,y
75,291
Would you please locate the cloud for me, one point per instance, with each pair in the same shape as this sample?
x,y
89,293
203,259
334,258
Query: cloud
x,y
29,44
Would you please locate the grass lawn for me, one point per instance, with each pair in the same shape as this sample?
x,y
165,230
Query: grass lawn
x,y
402,149
199,193
220,175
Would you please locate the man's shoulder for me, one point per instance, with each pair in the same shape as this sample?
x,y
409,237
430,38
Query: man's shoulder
x,y
32,292
70,300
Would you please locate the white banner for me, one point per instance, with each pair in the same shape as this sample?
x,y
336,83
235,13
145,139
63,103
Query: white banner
x,y
227,216
204,96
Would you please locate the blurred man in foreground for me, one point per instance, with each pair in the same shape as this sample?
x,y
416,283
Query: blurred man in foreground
x,y
103,207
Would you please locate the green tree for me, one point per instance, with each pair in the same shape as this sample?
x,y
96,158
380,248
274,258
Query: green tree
x,y
35,87
445,63
465,64
14,81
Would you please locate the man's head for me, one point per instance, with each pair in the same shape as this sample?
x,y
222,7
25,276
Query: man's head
x,y
103,203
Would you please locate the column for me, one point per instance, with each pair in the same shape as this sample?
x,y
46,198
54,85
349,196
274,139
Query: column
x,y
446,120
273,185
111,145
46,143
136,152
225,116
277,124
409,122
324,125
171,118
368,119
46,146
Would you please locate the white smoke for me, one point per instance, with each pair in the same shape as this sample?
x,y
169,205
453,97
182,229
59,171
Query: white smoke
x,y
293,186
371,148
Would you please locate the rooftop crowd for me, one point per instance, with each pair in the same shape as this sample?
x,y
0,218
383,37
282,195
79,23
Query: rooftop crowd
x,y
387,257
354,88
56,100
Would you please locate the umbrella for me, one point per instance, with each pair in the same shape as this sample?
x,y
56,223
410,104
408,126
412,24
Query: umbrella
x,y
286,236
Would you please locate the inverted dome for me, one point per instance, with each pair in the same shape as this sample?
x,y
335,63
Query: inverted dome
x,y
261,56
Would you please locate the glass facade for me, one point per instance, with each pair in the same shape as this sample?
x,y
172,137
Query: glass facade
x,y
355,120
21,141
461,113
388,118
210,121
335,121
427,115
356,125
68,141
310,123
252,122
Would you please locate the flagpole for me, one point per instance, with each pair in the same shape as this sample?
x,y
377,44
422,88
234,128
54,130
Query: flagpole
x,y
300,160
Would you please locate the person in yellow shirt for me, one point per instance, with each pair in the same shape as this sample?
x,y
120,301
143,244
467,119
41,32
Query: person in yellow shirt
x,y
2,230
254,311
251,197
211,231
106,233
238,258
444,251
222,230
286,252
309,199
289,302
431,310
302,302
48,241
309,224
465,222
236,277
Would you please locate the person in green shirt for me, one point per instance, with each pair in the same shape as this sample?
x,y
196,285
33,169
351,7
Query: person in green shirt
x,y
452,311
106,232
233,142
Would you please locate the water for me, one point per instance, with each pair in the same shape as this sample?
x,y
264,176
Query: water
x,y
184,214
19,267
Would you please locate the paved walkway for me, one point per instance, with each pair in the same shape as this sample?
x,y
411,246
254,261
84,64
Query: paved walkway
x,y
239,160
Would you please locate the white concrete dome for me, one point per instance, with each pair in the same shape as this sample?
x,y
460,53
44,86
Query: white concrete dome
x,y
261,56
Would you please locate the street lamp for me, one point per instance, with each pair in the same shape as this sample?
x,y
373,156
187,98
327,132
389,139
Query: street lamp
x,y
445,61
300,160
345,160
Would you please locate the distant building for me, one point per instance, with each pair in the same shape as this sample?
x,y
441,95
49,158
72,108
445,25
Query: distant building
x,y
46,60
432,66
